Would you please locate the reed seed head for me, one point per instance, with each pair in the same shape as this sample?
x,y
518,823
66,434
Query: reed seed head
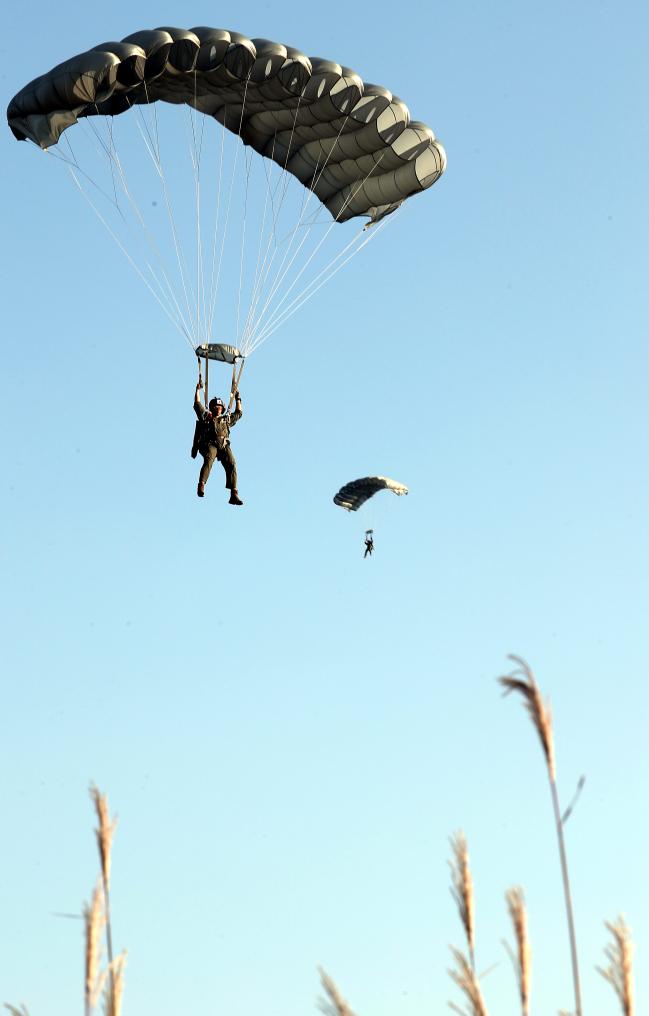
x,y
114,990
334,1004
465,977
619,972
462,888
522,681
94,920
105,831
523,959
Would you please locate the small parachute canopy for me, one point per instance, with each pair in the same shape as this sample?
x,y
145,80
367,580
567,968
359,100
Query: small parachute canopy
x,y
353,495
218,351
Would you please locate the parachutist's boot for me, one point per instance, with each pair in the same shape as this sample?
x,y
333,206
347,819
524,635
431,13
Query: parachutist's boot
x,y
234,497
200,490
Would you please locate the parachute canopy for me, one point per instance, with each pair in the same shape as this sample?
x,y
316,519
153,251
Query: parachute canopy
x,y
353,495
352,143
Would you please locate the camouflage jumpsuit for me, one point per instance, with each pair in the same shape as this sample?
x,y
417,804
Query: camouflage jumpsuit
x,y
215,443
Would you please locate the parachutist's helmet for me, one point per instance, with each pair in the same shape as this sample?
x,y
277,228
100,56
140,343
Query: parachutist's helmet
x,y
215,403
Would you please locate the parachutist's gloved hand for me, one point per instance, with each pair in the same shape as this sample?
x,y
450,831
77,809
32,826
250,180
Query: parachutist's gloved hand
x,y
237,396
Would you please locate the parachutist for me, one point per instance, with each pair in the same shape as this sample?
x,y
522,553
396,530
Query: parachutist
x,y
212,440
369,543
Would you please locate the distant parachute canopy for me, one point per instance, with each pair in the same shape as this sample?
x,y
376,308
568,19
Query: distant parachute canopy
x,y
353,495
351,143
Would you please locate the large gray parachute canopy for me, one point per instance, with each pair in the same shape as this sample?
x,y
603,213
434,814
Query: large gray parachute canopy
x,y
352,143
353,495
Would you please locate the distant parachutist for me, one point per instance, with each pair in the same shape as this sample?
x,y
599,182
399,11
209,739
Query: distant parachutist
x,y
353,496
369,543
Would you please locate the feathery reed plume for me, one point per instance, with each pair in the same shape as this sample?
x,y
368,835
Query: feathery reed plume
x,y
105,831
93,921
522,960
16,1012
467,981
522,681
462,889
619,972
115,987
334,1004
104,836
539,710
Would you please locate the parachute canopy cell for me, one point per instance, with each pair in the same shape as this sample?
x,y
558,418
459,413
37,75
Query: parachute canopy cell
x,y
352,143
353,495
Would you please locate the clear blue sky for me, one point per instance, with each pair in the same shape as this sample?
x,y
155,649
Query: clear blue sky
x,y
288,733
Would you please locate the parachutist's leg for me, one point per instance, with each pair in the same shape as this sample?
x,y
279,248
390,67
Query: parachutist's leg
x,y
229,463
209,457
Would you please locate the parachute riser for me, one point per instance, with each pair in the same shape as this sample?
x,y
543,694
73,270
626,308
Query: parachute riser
x,y
236,378
200,379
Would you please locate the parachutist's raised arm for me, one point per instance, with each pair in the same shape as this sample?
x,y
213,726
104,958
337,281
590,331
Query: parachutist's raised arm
x,y
198,405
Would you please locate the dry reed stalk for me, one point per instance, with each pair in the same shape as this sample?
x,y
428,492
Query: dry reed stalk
x,y
93,917
16,1012
522,681
115,987
467,981
522,960
619,972
104,836
462,889
334,1004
